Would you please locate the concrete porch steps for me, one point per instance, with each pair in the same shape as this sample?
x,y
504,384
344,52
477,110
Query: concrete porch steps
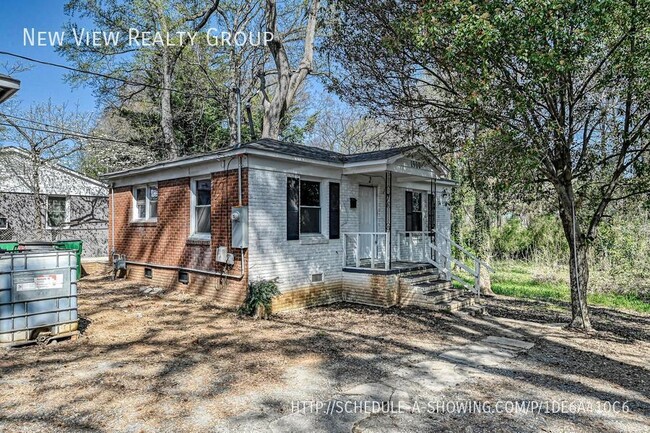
x,y
421,277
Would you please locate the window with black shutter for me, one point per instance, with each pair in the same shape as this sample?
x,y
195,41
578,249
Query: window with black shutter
x,y
293,208
334,210
413,211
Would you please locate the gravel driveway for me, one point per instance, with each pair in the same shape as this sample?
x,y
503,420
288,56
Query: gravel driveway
x,y
174,362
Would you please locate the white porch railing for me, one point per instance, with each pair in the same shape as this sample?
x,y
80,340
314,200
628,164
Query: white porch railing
x,y
423,246
366,250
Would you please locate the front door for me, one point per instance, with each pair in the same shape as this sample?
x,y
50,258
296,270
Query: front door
x,y
367,219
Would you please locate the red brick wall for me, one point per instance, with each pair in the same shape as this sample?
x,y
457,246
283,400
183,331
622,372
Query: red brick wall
x,y
166,242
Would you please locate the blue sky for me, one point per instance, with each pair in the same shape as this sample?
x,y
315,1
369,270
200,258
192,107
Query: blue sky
x,y
41,82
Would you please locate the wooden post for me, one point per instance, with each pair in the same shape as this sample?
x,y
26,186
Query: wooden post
x,y
358,260
372,251
388,215
477,280
386,254
424,246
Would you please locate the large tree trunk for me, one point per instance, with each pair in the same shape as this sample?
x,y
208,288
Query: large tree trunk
x,y
482,241
578,262
579,277
166,116
287,81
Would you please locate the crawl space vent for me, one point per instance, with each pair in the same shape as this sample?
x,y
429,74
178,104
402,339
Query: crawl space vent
x,y
316,278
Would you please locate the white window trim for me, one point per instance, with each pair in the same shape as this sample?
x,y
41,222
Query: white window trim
x,y
193,234
66,220
323,211
134,205
6,224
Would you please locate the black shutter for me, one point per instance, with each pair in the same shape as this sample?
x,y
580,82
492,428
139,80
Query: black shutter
x,y
293,208
432,212
409,211
335,211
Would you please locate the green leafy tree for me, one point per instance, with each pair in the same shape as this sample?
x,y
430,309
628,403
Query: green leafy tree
x,y
563,86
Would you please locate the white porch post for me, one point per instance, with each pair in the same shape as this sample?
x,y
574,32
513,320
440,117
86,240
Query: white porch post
x,y
388,213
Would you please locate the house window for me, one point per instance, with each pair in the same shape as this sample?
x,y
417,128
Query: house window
x,y
3,222
413,211
145,202
303,207
56,212
309,207
201,205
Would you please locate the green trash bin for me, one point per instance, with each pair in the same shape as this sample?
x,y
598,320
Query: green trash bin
x,y
8,246
74,245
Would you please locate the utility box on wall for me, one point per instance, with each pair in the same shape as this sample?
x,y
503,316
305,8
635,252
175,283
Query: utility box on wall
x,y
239,219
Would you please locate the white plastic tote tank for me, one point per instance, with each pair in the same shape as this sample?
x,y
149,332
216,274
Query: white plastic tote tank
x,y
38,296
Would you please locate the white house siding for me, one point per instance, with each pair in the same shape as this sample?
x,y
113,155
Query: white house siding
x,y
271,255
87,203
294,262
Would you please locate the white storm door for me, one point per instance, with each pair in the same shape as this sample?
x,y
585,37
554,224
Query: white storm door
x,y
367,219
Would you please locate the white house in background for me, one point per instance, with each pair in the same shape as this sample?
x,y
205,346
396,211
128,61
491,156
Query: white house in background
x,y
8,86
74,206
371,227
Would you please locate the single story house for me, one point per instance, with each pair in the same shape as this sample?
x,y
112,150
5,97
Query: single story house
x,y
329,227
72,206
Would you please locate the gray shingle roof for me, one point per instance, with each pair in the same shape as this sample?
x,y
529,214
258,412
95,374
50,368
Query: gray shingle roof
x,y
294,149
378,154
280,147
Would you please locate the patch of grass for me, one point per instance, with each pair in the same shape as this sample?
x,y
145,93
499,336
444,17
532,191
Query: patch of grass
x,y
518,280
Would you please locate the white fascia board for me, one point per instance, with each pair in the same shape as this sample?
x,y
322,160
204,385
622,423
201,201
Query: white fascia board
x,y
275,155
209,164
294,167
447,182
426,174
168,173
365,167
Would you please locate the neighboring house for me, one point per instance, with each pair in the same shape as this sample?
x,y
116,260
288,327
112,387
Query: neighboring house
x,y
328,226
73,206
8,86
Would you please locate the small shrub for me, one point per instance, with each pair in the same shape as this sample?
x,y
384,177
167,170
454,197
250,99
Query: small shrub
x,y
260,296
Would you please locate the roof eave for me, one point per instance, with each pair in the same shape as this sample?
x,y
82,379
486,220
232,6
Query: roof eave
x,y
8,86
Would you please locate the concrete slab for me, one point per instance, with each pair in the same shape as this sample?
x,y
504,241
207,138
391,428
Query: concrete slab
x,y
478,355
372,391
434,375
509,342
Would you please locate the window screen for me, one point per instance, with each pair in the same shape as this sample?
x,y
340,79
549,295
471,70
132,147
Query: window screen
x,y
55,211
202,206
309,207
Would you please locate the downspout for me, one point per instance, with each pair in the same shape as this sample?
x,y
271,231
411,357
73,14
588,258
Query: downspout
x,y
239,180
112,219
239,186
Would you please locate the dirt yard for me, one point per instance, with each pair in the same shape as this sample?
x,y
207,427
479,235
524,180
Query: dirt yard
x,y
180,364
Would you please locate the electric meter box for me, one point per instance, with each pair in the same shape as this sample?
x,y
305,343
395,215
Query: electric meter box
x,y
239,220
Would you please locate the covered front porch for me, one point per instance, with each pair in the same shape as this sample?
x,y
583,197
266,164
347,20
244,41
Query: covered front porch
x,y
399,215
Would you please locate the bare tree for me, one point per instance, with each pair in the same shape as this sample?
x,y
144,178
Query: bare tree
x,y
286,79
49,134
